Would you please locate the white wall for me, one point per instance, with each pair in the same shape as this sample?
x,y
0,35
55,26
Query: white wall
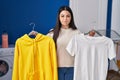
x,y
115,25
89,14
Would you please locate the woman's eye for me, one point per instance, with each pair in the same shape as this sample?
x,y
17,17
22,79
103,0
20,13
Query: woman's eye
x,y
68,15
62,16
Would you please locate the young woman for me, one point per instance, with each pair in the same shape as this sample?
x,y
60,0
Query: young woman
x,y
63,31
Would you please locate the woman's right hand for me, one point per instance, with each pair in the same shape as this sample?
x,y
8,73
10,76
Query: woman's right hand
x,y
92,33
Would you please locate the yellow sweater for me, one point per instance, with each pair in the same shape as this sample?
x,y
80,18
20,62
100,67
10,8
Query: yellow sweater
x,y
35,58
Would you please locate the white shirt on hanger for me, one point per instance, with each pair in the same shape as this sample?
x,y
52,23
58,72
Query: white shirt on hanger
x,y
91,56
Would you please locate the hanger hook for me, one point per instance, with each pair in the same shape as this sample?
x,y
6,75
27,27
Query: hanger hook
x,y
32,23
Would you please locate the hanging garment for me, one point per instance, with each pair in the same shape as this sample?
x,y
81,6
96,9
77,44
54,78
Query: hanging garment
x,y
35,58
91,56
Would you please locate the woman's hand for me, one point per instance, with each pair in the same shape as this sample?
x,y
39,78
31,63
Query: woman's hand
x,y
92,33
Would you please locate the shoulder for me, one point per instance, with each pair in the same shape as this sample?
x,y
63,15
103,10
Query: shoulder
x,y
50,34
76,31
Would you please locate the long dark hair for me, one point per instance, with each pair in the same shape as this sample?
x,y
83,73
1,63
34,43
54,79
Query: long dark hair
x,y
58,24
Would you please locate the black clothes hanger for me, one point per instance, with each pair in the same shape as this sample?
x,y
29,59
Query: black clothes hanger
x,y
98,33
33,33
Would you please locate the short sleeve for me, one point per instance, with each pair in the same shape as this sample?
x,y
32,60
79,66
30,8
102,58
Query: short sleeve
x,y
71,47
111,50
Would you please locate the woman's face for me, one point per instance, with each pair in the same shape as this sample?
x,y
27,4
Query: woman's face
x,y
65,18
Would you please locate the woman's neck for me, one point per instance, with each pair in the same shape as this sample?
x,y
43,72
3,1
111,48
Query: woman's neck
x,y
65,27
